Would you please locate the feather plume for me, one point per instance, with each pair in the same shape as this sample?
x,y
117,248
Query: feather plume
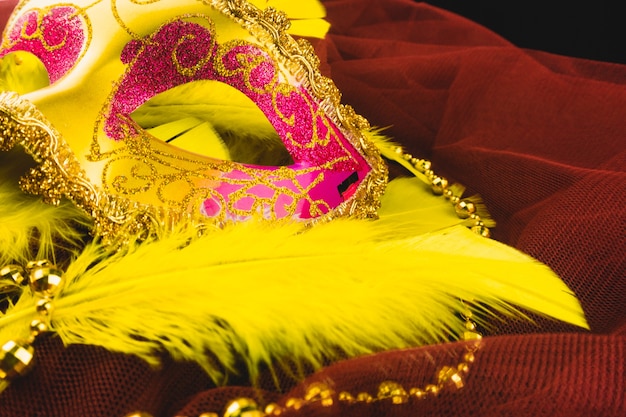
x,y
267,294
389,150
409,208
213,119
30,229
307,16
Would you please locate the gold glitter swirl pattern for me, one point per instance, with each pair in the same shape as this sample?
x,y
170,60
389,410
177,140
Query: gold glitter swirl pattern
x,y
182,182
248,62
59,35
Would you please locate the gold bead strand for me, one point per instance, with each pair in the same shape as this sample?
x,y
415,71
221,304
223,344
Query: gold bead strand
x,y
45,281
464,208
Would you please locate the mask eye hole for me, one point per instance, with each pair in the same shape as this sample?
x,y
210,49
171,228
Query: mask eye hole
x,y
215,120
22,72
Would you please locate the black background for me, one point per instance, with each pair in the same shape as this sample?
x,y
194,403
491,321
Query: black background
x,y
592,30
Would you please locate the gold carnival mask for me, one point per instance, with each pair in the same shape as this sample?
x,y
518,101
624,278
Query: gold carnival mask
x,y
106,59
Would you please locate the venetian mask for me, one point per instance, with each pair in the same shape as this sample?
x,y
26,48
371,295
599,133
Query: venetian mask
x,y
96,139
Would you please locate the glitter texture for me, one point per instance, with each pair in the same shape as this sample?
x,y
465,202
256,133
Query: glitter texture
x,y
56,37
181,52
130,181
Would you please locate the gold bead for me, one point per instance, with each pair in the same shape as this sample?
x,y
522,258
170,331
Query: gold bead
x,y
430,174
464,209
46,281
38,327
44,307
482,231
425,165
209,415
469,357
463,367
364,397
439,185
450,374
314,391
457,380
37,264
16,359
471,335
444,374
394,391
432,389
398,150
241,407
346,397
469,325
319,392
273,409
294,403
417,393
13,273
467,313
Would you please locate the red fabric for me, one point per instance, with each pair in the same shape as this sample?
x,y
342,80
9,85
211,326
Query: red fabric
x,y
541,137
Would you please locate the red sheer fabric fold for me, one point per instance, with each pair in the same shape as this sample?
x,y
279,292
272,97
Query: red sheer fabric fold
x,y
541,137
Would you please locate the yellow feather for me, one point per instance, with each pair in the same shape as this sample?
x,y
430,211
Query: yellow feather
x,y
229,125
311,28
225,107
29,228
302,9
184,133
388,148
410,199
307,16
268,294
408,207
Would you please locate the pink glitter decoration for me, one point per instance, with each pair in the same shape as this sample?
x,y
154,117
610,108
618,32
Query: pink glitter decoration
x,y
181,52
58,41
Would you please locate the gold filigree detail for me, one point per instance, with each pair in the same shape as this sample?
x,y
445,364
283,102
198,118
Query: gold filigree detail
x,y
299,57
59,173
247,62
191,71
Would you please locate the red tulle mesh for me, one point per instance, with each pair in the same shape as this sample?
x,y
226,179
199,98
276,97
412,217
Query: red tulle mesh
x,y
541,137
